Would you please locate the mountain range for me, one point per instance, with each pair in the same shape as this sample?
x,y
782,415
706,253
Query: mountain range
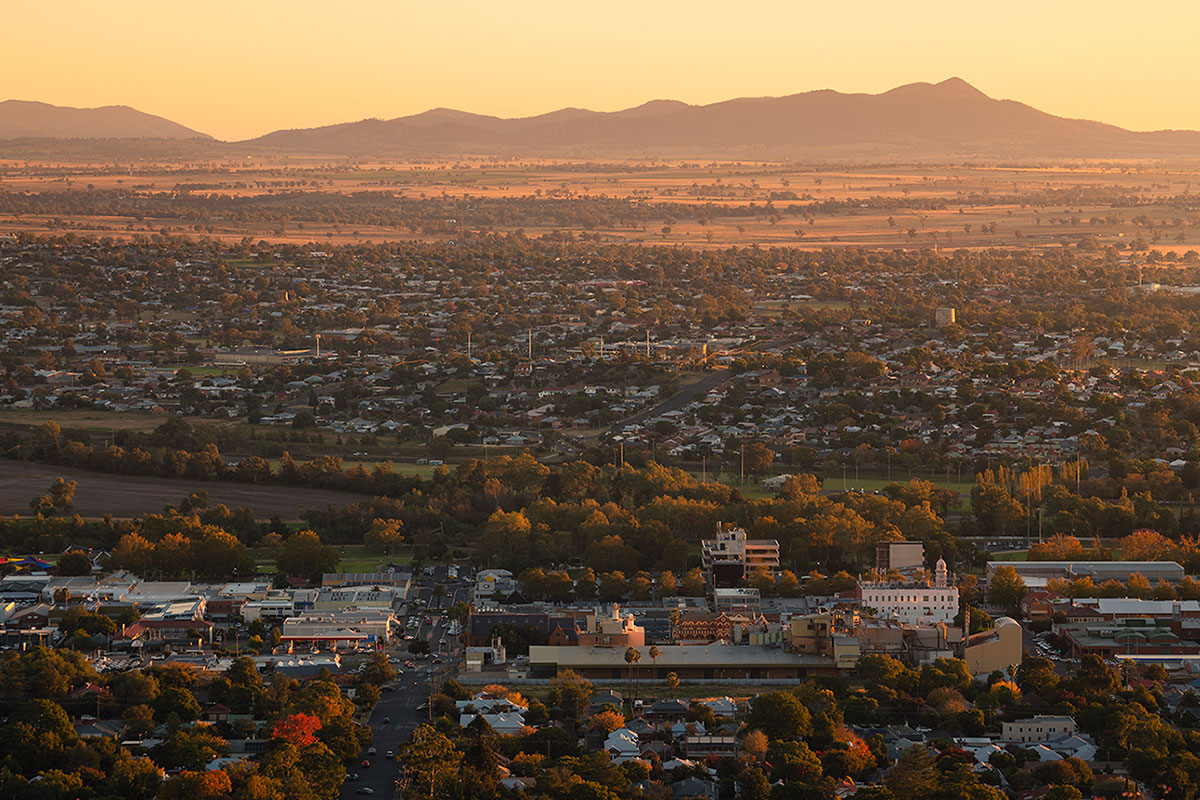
x,y
919,119
951,118
24,119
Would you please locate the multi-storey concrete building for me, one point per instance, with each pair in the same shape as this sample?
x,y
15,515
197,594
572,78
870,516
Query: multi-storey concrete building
x,y
731,557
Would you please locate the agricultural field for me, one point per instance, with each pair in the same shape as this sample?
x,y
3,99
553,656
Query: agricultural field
x,y
99,494
938,207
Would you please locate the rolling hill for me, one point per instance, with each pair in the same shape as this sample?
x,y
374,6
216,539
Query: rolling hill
x,y
23,119
921,119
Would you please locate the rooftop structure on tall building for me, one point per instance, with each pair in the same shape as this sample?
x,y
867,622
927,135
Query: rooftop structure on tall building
x,y
731,557
904,557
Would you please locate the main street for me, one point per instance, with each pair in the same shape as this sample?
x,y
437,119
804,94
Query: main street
x,y
399,710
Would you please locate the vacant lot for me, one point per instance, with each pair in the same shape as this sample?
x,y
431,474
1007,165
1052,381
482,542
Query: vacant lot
x,y
98,494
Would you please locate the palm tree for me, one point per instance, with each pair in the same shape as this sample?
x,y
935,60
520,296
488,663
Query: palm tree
x,y
632,657
672,683
676,615
654,659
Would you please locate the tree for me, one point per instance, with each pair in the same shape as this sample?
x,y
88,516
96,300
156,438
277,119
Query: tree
x,y
754,743
915,776
1063,793
606,721
299,729
633,657
205,785
38,734
780,715
693,583
135,778
304,555
384,535
672,683
138,720
571,693
62,495
74,563
378,669
426,755
880,670
1006,587
243,672
758,458
176,700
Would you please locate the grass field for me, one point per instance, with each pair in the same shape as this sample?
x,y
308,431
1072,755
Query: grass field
x,y
1011,555
99,421
399,467
355,558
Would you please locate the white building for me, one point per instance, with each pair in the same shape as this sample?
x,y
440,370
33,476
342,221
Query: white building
x,y
737,598
355,597
913,603
272,609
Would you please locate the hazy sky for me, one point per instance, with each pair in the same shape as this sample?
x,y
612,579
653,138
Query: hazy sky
x,y
240,68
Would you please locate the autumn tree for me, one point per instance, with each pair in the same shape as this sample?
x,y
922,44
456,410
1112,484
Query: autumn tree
x,y
298,729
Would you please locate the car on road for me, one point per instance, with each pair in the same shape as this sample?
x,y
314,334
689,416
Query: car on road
x,y
388,754
437,661
371,751
387,720
365,763
365,790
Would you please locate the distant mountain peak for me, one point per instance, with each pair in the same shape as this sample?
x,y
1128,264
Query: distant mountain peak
x,y
949,89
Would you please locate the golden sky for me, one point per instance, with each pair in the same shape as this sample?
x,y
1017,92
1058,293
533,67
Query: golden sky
x,y
240,68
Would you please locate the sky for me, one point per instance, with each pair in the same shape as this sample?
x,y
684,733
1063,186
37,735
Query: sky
x,y
241,68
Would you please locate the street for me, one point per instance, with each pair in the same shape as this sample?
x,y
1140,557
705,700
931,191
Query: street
x,y
401,700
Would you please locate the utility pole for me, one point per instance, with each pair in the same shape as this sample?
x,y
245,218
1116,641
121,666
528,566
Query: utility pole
x,y
318,346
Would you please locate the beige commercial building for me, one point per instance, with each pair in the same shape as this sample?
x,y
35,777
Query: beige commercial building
x,y
1042,728
997,649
